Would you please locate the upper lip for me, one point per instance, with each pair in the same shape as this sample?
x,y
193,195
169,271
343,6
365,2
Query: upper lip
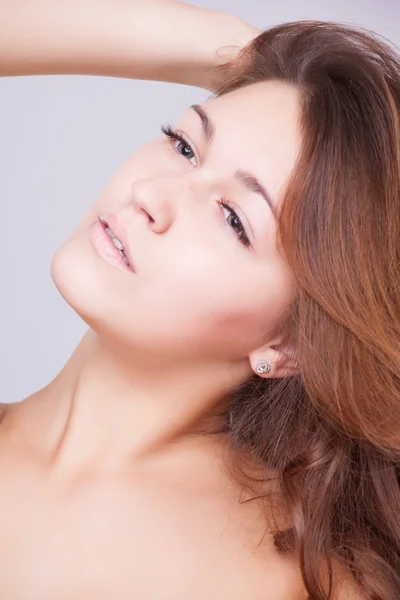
x,y
119,231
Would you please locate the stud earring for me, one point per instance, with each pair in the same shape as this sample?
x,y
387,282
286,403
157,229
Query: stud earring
x,y
263,367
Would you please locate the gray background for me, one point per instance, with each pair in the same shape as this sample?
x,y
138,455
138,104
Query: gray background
x,y
61,140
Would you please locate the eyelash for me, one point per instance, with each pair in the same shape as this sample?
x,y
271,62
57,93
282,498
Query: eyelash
x,y
174,135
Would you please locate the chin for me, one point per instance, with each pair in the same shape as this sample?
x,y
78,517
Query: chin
x,y
77,275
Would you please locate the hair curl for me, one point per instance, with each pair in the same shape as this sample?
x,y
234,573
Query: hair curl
x,y
332,434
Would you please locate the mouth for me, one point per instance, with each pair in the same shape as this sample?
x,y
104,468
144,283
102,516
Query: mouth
x,y
117,243
110,241
118,235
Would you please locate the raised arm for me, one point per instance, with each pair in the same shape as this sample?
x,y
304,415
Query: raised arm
x,y
161,40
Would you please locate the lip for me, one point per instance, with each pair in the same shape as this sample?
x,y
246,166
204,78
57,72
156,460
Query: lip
x,y
105,248
119,232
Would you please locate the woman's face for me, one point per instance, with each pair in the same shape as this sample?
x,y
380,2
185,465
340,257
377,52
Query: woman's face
x,y
207,283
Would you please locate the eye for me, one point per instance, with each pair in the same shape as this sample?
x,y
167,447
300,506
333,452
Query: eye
x,y
233,222
176,136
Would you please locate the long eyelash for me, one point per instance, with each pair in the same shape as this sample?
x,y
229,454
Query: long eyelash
x,y
174,135
241,234
170,132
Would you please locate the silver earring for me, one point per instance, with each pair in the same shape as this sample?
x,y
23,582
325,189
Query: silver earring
x,y
263,367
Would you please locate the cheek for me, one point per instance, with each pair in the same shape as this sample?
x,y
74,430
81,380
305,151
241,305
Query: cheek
x,y
219,309
192,296
244,307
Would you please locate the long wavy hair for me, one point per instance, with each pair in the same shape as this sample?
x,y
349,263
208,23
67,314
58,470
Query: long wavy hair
x,y
332,434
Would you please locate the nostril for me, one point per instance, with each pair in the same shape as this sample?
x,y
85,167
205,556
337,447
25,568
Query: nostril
x,y
148,214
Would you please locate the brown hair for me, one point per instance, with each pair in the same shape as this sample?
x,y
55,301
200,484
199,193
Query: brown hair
x,y
332,434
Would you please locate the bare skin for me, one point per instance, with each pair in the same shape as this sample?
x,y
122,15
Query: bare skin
x,y
112,485
170,527
112,476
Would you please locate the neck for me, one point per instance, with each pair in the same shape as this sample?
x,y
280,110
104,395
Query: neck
x,y
107,410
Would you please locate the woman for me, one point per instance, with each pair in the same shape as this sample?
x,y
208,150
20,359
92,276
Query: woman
x,y
239,276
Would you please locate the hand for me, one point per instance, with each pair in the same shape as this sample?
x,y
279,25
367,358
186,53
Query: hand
x,y
209,38
235,35
238,35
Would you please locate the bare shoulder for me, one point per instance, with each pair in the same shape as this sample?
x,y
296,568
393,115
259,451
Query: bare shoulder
x,y
277,578
3,409
7,411
283,576
7,408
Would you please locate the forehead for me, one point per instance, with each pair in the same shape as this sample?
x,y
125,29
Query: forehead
x,y
257,129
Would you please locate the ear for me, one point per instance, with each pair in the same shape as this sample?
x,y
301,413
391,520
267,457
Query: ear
x,y
281,359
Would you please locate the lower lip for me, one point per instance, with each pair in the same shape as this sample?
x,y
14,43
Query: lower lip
x,y
105,248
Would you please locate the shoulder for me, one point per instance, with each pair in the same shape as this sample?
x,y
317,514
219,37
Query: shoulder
x,y
6,409
3,409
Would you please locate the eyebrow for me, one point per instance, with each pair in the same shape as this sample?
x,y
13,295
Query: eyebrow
x,y
249,180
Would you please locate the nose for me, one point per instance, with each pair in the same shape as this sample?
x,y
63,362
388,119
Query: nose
x,y
153,199
161,199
